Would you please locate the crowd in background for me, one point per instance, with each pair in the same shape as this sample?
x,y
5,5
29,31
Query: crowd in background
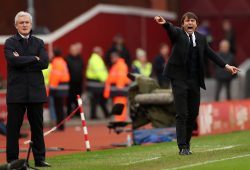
x,y
67,76
227,51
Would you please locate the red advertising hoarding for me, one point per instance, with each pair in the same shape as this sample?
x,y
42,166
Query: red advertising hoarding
x,y
223,117
3,107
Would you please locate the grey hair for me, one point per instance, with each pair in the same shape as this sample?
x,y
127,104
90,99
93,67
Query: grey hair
x,y
97,49
22,13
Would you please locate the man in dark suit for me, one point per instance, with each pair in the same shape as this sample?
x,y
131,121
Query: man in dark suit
x,y
186,70
26,58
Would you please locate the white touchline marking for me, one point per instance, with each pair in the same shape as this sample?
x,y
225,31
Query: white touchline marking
x,y
209,150
207,162
143,160
221,148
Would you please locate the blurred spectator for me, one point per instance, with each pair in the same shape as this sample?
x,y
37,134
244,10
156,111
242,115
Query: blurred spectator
x,y
3,130
75,67
223,77
1,82
51,105
46,74
58,84
118,77
204,29
141,65
158,66
229,35
96,74
118,46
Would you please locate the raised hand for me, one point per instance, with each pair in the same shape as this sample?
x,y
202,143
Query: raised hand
x,y
159,19
232,69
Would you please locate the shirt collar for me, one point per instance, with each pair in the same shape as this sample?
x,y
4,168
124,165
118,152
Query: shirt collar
x,y
25,37
193,38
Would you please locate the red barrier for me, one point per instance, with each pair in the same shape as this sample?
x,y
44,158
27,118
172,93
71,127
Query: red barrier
x,y
3,107
84,126
58,125
223,117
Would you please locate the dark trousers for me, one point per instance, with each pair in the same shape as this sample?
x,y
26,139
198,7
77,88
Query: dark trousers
x,y
187,101
58,101
75,88
219,85
95,100
15,116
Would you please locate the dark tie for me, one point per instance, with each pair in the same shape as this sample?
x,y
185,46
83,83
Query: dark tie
x,y
191,40
25,42
191,45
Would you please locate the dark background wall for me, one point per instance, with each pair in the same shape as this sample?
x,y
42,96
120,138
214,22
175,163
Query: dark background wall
x,y
55,13
138,31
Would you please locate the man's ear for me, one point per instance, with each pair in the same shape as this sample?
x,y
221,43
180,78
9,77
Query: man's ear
x,y
15,25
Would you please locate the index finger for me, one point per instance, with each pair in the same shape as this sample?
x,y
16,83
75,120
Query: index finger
x,y
237,69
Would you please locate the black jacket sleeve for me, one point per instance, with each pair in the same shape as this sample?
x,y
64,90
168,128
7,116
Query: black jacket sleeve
x,y
20,61
44,59
214,57
172,31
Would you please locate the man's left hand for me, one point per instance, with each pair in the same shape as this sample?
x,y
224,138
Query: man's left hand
x,y
15,54
232,69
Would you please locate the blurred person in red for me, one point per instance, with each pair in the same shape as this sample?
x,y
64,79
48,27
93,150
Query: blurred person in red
x,y
118,46
96,74
117,77
75,66
59,85
158,65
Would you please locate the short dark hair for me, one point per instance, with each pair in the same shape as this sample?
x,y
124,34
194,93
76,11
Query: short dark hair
x,y
189,15
57,52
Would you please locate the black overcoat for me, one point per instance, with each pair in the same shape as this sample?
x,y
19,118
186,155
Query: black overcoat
x,y
25,81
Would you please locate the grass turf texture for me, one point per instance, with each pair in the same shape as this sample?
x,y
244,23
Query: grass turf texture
x,y
227,151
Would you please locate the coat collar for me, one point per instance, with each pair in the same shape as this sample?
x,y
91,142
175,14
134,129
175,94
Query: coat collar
x,y
19,37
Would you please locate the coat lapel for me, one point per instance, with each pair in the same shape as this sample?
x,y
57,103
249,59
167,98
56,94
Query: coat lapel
x,y
198,44
186,48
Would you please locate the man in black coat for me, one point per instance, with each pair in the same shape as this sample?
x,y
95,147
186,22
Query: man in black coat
x,y
186,70
75,67
26,58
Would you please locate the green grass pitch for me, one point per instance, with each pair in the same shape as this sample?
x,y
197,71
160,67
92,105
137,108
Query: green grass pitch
x,y
227,151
